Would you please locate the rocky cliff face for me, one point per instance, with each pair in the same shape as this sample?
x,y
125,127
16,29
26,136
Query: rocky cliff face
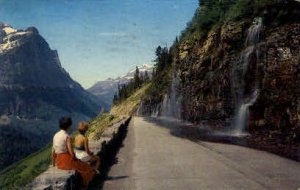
x,y
27,61
209,70
245,73
35,91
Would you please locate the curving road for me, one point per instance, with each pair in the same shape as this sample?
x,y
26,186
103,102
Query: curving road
x,y
153,158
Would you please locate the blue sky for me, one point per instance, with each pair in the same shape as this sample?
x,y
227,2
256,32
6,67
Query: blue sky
x,y
97,39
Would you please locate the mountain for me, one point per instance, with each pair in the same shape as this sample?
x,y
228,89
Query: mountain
x,y
106,89
35,91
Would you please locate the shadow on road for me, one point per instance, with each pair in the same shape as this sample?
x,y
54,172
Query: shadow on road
x,y
197,134
108,158
113,178
186,130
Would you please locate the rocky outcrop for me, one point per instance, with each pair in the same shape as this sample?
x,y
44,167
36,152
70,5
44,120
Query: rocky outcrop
x,y
279,102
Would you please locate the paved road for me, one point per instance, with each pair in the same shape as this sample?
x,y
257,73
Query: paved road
x,y
152,158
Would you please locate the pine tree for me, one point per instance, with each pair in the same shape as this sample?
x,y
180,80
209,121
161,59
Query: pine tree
x,y
146,77
137,80
115,99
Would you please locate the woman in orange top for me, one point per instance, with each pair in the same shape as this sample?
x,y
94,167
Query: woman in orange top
x,y
63,155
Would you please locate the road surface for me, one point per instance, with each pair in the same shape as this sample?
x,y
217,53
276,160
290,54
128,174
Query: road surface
x,y
153,158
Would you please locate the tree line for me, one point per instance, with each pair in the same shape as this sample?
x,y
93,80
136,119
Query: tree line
x,y
126,90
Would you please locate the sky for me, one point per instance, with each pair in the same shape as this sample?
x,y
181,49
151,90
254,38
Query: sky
x,y
98,39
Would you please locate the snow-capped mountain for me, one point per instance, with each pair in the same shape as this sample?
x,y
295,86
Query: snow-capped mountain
x,y
127,77
106,89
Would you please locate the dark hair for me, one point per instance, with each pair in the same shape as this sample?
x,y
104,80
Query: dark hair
x,y
65,123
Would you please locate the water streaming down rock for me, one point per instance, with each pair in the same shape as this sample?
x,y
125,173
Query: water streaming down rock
x,y
155,112
171,105
254,32
243,114
139,109
152,110
243,103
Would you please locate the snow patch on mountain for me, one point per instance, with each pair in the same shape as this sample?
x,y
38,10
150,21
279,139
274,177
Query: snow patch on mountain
x,y
11,38
9,30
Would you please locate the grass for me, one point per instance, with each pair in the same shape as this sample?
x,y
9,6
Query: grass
x,y
125,108
99,124
24,171
130,105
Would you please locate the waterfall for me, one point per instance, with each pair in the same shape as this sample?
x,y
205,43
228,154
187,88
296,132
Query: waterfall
x,y
254,32
155,111
240,121
171,105
243,103
139,109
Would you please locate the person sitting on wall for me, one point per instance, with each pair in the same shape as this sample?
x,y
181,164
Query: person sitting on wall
x,y
63,156
81,147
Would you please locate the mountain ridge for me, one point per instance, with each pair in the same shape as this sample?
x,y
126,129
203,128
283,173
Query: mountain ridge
x,y
106,89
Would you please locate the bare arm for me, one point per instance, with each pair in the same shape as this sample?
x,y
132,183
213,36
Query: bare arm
x,y
70,148
53,156
86,146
